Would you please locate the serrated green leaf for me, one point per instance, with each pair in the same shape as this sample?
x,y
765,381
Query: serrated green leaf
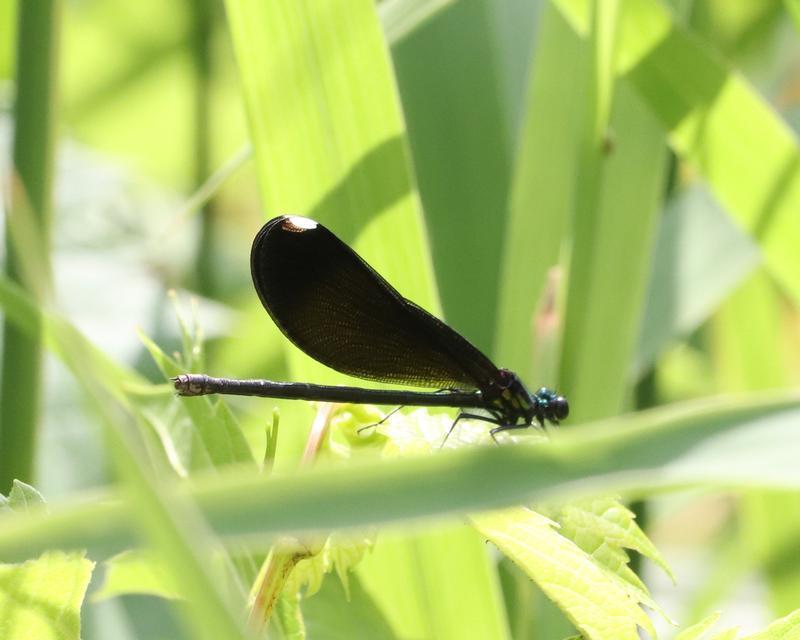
x,y
696,631
275,578
728,634
595,603
218,438
192,355
312,574
229,444
135,572
42,598
614,522
173,436
168,365
341,552
787,628
345,552
23,498
604,528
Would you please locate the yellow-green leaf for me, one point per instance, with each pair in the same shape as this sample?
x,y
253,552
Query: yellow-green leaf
x,y
41,599
596,604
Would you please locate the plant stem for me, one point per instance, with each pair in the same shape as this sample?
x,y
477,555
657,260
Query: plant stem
x,y
203,14
20,389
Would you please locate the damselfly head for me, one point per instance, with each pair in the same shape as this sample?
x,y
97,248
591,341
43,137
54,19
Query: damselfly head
x,y
550,406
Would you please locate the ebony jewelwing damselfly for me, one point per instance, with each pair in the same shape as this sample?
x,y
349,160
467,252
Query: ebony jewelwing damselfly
x,y
330,303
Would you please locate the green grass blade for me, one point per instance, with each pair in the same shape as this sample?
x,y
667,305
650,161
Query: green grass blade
x,y
603,41
618,186
360,618
749,355
203,16
745,345
320,73
699,258
173,528
723,443
34,139
323,75
450,75
466,600
793,7
769,524
746,442
208,189
598,81
176,532
8,33
717,121
607,301
400,18
543,174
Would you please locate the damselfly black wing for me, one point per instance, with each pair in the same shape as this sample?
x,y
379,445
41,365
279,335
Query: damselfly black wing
x,y
341,312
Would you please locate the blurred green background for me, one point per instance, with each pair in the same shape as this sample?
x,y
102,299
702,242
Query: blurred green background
x,y
609,208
